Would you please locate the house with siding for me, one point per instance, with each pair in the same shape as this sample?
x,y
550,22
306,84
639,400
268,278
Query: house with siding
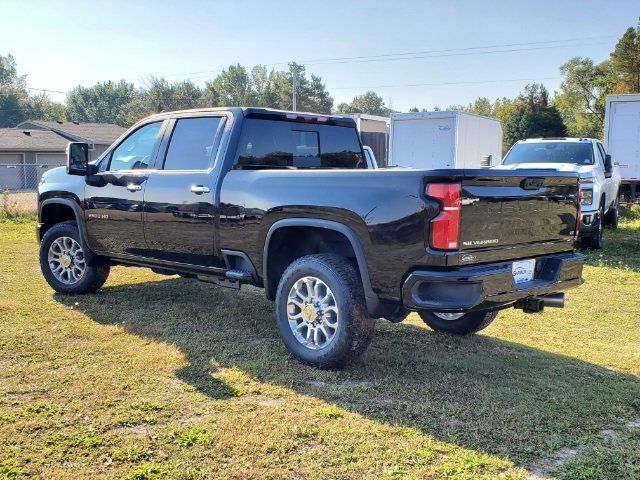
x,y
34,146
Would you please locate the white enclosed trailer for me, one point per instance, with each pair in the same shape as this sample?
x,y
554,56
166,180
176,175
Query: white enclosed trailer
x,y
374,133
446,139
622,140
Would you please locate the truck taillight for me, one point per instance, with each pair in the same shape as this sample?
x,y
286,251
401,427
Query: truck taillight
x,y
445,228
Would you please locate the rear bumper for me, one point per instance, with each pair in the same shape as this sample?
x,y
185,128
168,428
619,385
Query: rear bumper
x,y
489,286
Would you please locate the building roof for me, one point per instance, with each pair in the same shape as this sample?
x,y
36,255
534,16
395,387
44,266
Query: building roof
x,y
366,116
13,139
96,133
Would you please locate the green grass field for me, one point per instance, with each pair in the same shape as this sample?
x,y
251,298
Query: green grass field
x,y
162,377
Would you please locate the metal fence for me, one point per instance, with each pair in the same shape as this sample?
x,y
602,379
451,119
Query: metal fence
x,y
23,177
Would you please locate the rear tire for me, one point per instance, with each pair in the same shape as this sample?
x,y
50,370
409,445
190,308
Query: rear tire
x,y
64,264
470,322
323,294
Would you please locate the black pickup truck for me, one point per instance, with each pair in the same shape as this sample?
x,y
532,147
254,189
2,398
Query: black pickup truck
x,y
284,201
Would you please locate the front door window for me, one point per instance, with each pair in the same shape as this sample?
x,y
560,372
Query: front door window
x,y
135,152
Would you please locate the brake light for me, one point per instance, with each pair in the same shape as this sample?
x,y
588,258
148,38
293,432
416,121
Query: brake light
x,y
306,118
445,228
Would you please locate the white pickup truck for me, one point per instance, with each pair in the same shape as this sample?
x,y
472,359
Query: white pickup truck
x,y
599,177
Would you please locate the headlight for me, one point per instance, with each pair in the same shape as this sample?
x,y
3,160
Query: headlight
x,y
587,196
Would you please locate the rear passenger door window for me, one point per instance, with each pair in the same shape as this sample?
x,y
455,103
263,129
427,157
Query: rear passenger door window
x,y
192,144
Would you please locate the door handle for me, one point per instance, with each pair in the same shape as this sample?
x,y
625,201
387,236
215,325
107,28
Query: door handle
x,y
199,189
132,187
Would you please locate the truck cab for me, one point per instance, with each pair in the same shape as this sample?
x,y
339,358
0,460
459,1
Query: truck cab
x,y
599,177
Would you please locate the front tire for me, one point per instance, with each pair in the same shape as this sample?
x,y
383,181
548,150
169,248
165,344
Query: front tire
x,y
470,322
64,263
596,242
320,311
611,217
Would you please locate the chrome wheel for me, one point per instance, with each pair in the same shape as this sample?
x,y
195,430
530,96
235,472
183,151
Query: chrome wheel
x,y
66,260
312,313
450,316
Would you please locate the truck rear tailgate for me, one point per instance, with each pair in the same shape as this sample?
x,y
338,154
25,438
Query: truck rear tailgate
x,y
526,207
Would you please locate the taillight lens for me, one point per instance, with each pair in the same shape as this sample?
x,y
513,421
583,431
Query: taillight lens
x,y
445,228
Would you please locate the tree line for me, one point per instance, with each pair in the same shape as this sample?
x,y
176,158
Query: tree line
x,y
576,110
123,103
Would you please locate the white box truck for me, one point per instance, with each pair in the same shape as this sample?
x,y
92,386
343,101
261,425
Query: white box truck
x,y
446,139
622,141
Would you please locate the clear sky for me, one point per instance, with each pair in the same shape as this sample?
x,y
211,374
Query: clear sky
x,y
62,44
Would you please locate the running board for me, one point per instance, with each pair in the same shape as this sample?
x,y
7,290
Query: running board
x,y
239,275
231,279
222,281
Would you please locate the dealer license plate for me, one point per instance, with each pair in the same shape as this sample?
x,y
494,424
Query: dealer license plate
x,y
523,270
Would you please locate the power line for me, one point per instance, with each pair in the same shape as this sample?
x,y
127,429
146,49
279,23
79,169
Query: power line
x,y
17,89
505,45
45,90
426,54
418,57
447,83
458,54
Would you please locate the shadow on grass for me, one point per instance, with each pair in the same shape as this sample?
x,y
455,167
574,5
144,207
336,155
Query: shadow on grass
x,y
621,249
621,245
478,392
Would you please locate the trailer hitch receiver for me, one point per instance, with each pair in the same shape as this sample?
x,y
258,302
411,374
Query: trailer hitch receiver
x,y
537,304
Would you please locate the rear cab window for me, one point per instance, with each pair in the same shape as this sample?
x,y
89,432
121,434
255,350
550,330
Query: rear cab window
x,y
269,144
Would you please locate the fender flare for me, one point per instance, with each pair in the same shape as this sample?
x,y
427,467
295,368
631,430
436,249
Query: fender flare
x,y
79,220
371,299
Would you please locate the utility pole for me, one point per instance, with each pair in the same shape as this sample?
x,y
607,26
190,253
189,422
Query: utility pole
x,y
295,69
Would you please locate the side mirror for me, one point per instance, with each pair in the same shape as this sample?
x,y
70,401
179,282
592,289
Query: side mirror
x,y
608,165
486,161
77,158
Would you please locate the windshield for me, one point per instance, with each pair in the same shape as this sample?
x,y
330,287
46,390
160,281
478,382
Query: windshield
x,y
579,153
